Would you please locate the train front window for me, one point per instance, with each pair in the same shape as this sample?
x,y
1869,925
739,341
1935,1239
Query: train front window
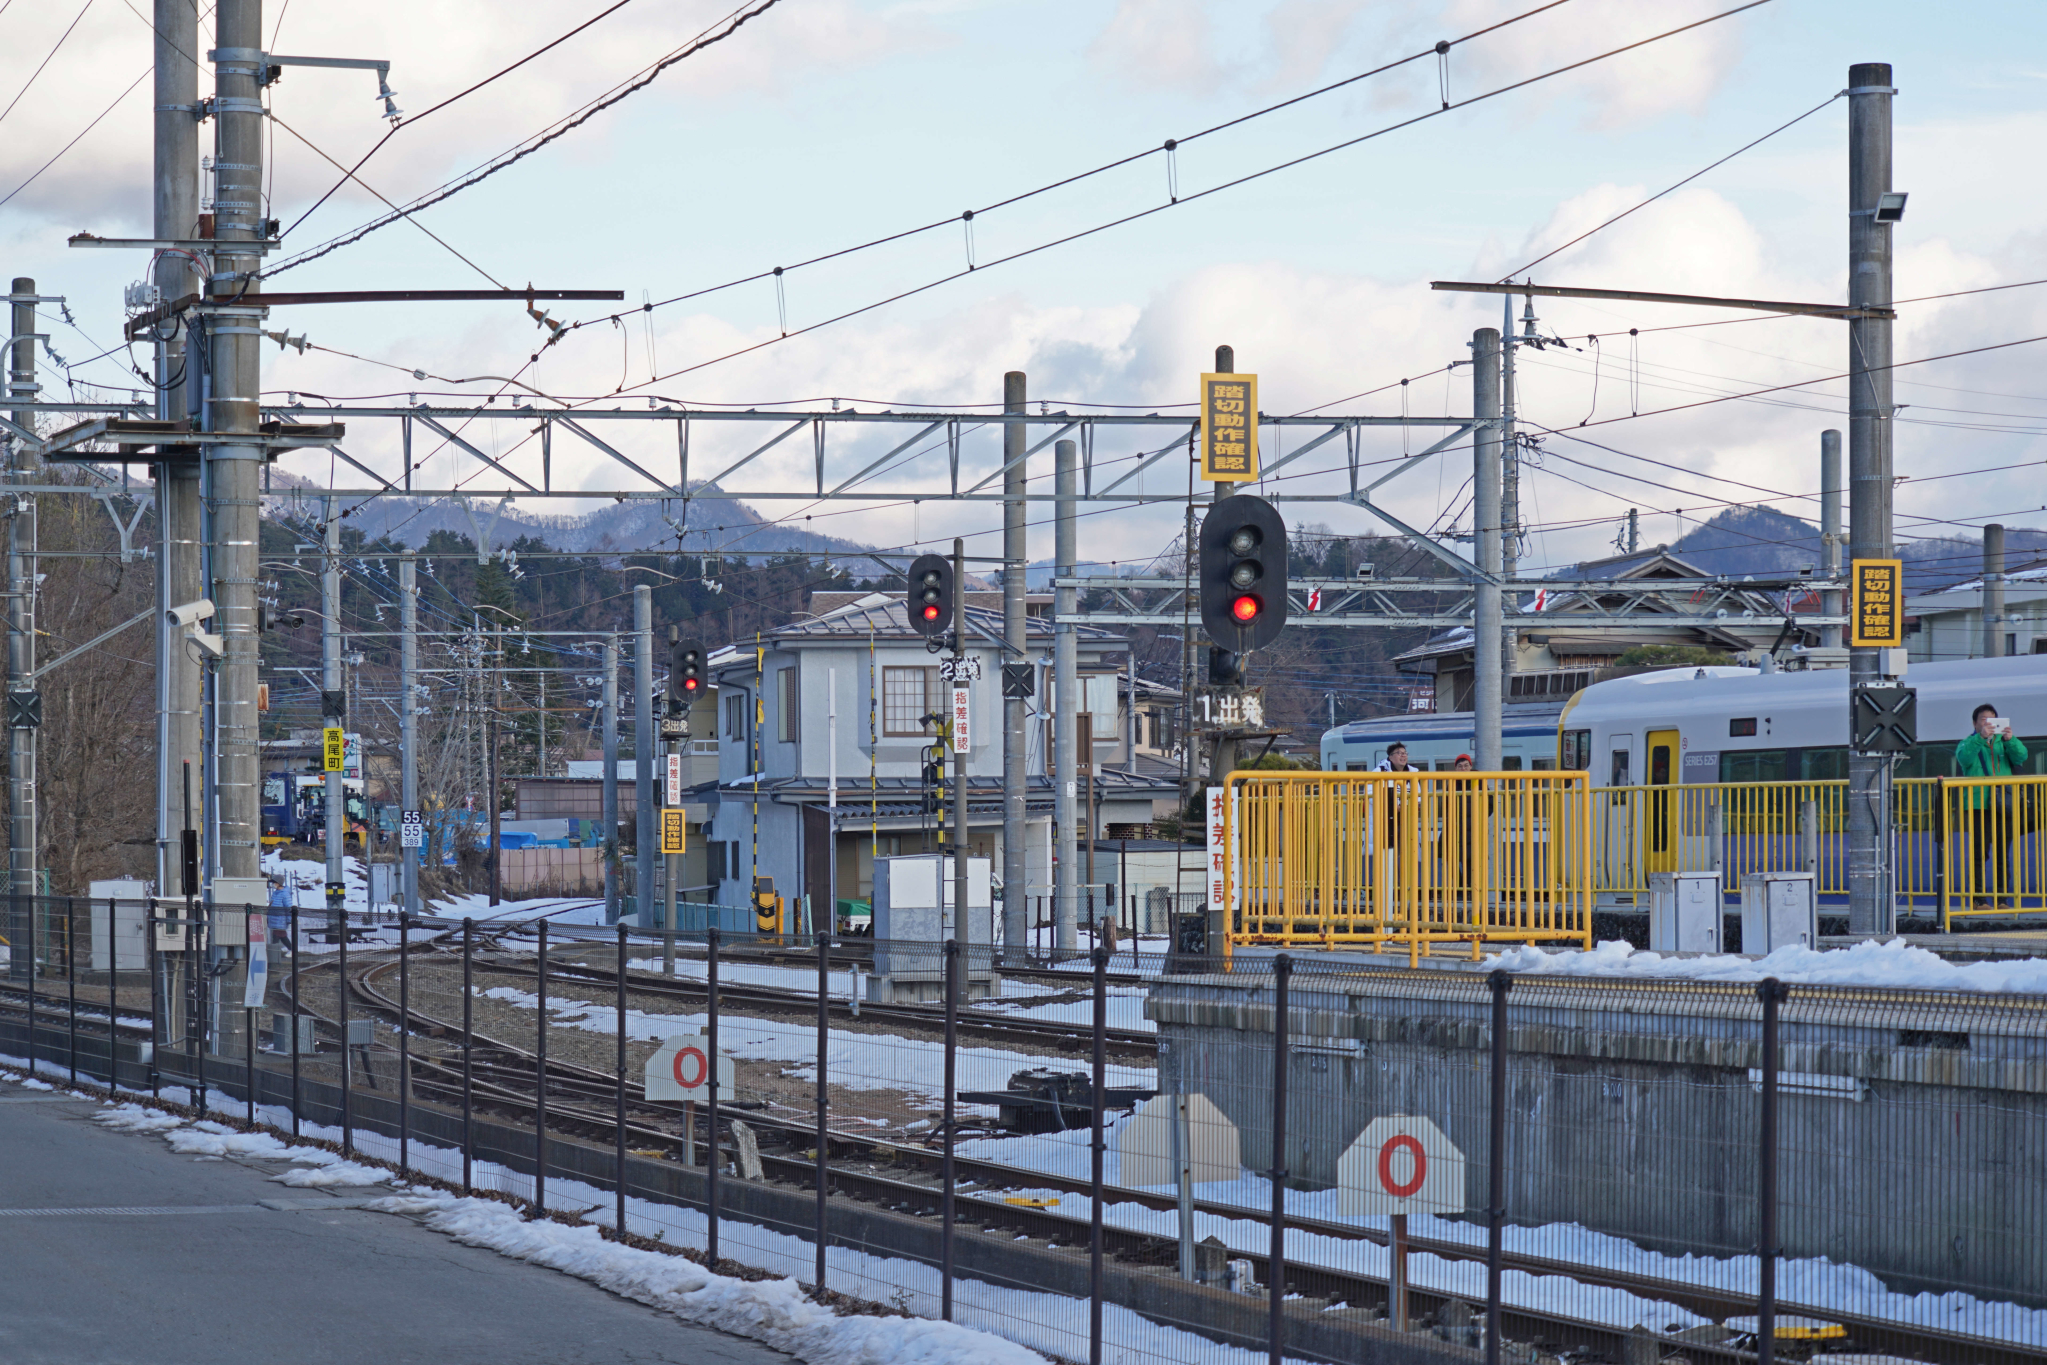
x,y
273,791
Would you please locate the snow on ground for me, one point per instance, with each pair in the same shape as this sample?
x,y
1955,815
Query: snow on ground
x,y
1895,963
857,1061
1058,1325
1810,1281
555,909
1126,1003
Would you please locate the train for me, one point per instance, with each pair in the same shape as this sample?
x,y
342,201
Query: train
x,y
1714,724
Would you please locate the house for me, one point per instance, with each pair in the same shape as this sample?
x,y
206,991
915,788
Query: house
x,y
1552,659
770,809
1948,624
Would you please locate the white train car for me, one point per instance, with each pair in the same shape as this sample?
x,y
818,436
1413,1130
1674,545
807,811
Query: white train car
x,y
1742,725
1528,738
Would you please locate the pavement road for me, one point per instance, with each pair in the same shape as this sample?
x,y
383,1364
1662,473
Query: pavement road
x,y
202,1273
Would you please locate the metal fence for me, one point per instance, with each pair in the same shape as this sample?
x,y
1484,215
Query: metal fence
x,y
1243,1160
1959,846
1407,859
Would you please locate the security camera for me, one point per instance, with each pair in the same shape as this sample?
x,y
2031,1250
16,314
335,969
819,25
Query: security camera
x,y
191,613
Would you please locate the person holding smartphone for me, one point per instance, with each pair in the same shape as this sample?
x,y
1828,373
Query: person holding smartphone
x,y
1990,751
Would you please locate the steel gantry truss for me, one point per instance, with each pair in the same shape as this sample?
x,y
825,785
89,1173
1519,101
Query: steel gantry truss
x,y
121,433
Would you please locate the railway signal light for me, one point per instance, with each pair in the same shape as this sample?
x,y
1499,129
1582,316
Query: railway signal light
x,y
685,674
930,596
1225,669
1243,573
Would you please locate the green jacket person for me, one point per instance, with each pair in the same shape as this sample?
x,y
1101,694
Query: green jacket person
x,y
1990,751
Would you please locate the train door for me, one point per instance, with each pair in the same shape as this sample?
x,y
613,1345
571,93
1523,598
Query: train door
x,y
1660,819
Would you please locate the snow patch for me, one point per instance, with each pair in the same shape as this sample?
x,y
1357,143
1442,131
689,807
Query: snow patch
x,y
1893,963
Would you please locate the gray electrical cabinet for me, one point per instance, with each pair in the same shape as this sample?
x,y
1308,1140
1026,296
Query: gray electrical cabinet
x,y
1685,914
1778,910
914,915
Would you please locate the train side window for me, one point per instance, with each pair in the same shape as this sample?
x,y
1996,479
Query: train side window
x,y
1543,765
1825,765
1510,763
1576,750
1620,774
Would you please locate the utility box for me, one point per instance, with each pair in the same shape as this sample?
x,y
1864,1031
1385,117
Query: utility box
x,y
383,887
281,1040
914,915
1778,910
125,901
234,898
1685,915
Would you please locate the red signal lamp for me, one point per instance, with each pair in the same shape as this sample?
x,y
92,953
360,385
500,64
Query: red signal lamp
x,y
1246,608
689,684
931,611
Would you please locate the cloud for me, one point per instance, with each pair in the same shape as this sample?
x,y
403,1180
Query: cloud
x,y
436,48
1159,44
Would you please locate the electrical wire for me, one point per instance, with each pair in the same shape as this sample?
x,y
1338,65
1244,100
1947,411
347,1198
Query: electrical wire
x,y
76,140
532,145
1555,251
1125,219
47,59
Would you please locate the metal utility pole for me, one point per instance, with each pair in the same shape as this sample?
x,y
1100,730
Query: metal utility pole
x,y
21,627
1065,697
408,729
1488,642
1871,909
645,839
960,907
1016,905
610,844
333,715
234,490
1634,530
1830,531
674,732
1510,481
1224,755
1993,591
180,525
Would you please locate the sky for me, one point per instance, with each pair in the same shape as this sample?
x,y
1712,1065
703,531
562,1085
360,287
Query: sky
x,y
824,124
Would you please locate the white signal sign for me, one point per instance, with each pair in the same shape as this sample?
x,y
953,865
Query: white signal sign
x,y
411,829
680,1068
1401,1165
674,780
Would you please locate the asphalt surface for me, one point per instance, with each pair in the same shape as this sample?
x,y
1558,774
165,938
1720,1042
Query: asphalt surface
x,y
199,1271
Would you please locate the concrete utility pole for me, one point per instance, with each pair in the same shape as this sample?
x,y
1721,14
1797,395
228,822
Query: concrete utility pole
x,y
1634,530
1993,591
180,524
677,745
1871,909
645,838
1065,696
408,728
610,844
235,490
21,621
960,909
1016,903
1487,639
1830,530
333,712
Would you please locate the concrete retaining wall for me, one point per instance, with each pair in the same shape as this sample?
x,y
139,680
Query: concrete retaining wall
x,y
1913,1131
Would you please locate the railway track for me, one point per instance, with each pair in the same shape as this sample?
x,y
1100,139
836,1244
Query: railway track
x,y
581,1102
911,1187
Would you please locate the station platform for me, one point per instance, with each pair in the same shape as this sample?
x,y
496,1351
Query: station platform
x,y
122,1252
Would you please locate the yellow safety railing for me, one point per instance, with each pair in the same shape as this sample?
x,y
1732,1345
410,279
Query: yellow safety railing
x,y
1738,828
1993,840
1408,859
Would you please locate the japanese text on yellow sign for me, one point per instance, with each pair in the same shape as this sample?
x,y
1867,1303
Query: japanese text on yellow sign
x,y
1877,611
674,825
333,750
1229,427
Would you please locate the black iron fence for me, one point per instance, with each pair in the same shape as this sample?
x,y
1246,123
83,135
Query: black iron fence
x,y
1270,1158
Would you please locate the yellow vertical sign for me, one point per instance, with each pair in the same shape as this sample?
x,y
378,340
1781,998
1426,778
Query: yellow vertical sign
x,y
674,825
1876,615
333,750
1229,427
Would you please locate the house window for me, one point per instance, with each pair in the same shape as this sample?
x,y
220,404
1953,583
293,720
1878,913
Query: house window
x,y
785,705
907,696
736,726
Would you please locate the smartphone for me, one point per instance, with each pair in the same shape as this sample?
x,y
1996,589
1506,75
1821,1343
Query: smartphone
x,y
2001,725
